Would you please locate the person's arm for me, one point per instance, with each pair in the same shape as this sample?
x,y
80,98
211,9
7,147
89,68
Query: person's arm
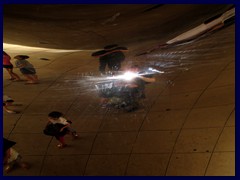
x,y
148,79
8,110
64,122
66,126
17,63
21,65
131,85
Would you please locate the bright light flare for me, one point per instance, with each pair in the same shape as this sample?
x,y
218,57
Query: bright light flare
x,y
128,76
155,70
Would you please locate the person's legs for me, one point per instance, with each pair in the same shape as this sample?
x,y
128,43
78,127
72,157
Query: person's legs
x,y
73,132
62,141
34,77
9,167
28,73
22,164
14,75
132,99
9,70
30,79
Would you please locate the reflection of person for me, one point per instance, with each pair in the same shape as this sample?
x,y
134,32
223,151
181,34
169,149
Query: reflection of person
x,y
11,157
112,56
9,67
56,117
8,101
138,83
130,86
26,69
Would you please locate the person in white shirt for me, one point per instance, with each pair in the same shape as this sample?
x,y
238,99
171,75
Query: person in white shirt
x,y
56,117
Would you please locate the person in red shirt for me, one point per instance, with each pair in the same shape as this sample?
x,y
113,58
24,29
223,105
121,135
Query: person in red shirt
x,y
9,67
